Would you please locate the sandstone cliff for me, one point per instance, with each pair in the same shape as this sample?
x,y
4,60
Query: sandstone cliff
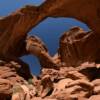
x,y
85,11
72,74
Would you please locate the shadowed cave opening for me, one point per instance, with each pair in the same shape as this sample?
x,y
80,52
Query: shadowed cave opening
x,y
50,31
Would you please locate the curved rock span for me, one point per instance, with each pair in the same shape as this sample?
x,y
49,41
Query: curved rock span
x,y
72,74
78,46
14,28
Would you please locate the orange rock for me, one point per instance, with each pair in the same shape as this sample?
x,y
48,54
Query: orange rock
x,y
95,97
75,47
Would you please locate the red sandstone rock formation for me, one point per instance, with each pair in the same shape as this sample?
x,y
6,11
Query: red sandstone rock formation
x,y
35,46
14,28
78,46
10,74
85,11
13,31
80,82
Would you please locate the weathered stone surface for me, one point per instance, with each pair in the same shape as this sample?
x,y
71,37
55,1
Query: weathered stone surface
x,y
94,97
5,88
85,11
67,83
70,83
47,86
14,35
18,93
38,98
96,82
78,46
35,46
64,84
10,74
96,89
90,70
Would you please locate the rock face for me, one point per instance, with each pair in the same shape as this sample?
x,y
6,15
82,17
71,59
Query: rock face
x,y
10,74
72,74
78,9
18,28
78,46
13,36
69,83
35,46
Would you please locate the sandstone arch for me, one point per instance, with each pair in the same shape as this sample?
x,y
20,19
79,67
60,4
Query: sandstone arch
x,y
14,28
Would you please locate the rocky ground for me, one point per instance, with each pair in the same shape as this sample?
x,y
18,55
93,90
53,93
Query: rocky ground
x,y
75,78
67,83
72,74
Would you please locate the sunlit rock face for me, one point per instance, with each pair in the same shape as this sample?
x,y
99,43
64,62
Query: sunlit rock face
x,y
11,73
78,46
85,11
70,74
19,26
73,74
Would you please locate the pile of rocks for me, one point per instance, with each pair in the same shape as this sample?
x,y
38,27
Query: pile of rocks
x,y
67,83
70,84
72,74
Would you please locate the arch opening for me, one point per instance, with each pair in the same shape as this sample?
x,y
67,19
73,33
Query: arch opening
x,y
50,31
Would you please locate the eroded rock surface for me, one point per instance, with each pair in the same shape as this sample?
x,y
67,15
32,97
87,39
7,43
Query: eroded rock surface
x,y
24,19
72,74
78,9
74,80
78,46
35,46
10,74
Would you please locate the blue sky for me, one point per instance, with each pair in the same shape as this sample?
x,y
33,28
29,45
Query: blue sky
x,y
49,30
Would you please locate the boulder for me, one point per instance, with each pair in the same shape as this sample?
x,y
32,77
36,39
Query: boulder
x,y
94,97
